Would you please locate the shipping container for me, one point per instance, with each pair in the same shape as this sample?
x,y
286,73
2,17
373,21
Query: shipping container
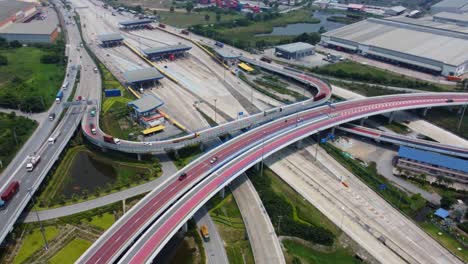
x,y
59,97
112,92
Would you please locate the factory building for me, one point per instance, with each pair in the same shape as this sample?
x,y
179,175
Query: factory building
x,y
452,18
453,6
432,164
12,11
295,50
40,29
410,43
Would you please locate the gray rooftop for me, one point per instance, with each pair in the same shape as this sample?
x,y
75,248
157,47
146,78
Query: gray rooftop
x,y
225,53
442,45
135,22
295,47
146,103
165,49
39,27
11,7
451,4
452,16
398,9
110,37
146,74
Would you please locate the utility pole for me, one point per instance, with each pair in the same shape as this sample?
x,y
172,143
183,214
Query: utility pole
x,y
461,118
39,220
215,109
279,223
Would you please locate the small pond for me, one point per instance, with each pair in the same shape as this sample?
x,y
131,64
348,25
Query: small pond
x,y
299,28
87,173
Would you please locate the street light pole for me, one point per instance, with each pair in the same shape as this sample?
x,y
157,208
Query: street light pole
x,y
215,109
39,220
263,153
461,118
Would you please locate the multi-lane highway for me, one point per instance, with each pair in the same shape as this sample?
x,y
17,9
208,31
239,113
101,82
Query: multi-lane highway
x,y
394,138
37,144
122,234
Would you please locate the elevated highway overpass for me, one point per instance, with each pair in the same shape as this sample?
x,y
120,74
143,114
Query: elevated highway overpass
x,y
281,132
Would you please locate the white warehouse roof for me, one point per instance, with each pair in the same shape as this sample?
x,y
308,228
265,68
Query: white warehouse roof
x,y
425,42
295,47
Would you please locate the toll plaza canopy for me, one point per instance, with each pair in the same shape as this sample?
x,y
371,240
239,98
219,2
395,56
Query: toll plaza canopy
x,y
226,54
139,22
142,75
146,104
110,37
159,51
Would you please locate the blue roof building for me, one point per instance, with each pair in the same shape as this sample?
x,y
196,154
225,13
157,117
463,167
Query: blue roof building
x,y
442,213
433,164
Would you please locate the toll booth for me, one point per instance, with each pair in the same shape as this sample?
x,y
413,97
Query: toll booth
x,y
136,24
171,52
227,57
110,40
143,78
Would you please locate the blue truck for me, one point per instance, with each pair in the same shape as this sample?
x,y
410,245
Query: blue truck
x,y
59,97
219,44
112,92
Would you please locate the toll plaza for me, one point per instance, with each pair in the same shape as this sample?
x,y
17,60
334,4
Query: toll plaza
x,y
110,40
136,24
167,52
143,78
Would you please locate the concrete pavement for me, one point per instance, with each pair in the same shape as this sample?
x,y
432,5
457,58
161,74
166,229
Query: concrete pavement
x,y
265,245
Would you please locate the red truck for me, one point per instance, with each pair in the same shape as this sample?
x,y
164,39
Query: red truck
x,y
454,78
161,25
108,139
319,96
9,192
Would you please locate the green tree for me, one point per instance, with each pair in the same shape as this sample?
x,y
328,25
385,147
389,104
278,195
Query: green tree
x,y
15,44
171,9
218,17
189,7
207,17
138,8
446,202
3,60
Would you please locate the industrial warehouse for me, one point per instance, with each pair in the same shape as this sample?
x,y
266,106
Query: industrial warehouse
x,y
420,45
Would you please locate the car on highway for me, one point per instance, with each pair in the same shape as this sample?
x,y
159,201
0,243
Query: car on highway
x,y
116,141
148,143
79,98
449,101
182,176
51,140
213,160
93,129
51,116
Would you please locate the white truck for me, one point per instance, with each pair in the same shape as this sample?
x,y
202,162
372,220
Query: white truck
x,y
32,162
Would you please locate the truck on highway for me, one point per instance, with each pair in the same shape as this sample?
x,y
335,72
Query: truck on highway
x,y
52,116
185,32
204,232
161,25
265,59
9,192
65,85
32,162
108,139
59,97
219,44
93,112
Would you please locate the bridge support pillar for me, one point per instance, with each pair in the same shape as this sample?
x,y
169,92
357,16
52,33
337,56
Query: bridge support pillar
x,y
425,111
123,206
222,192
139,157
176,154
461,117
202,148
333,131
184,228
361,122
299,144
391,117
257,166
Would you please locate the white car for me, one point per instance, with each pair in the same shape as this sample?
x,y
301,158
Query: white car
x,y
51,140
116,141
213,160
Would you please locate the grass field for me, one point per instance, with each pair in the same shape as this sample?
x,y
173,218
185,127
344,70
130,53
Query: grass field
x,y
11,125
228,219
446,240
71,252
103,222
185,155
312,256
364,73
33,242
25,80
194,18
